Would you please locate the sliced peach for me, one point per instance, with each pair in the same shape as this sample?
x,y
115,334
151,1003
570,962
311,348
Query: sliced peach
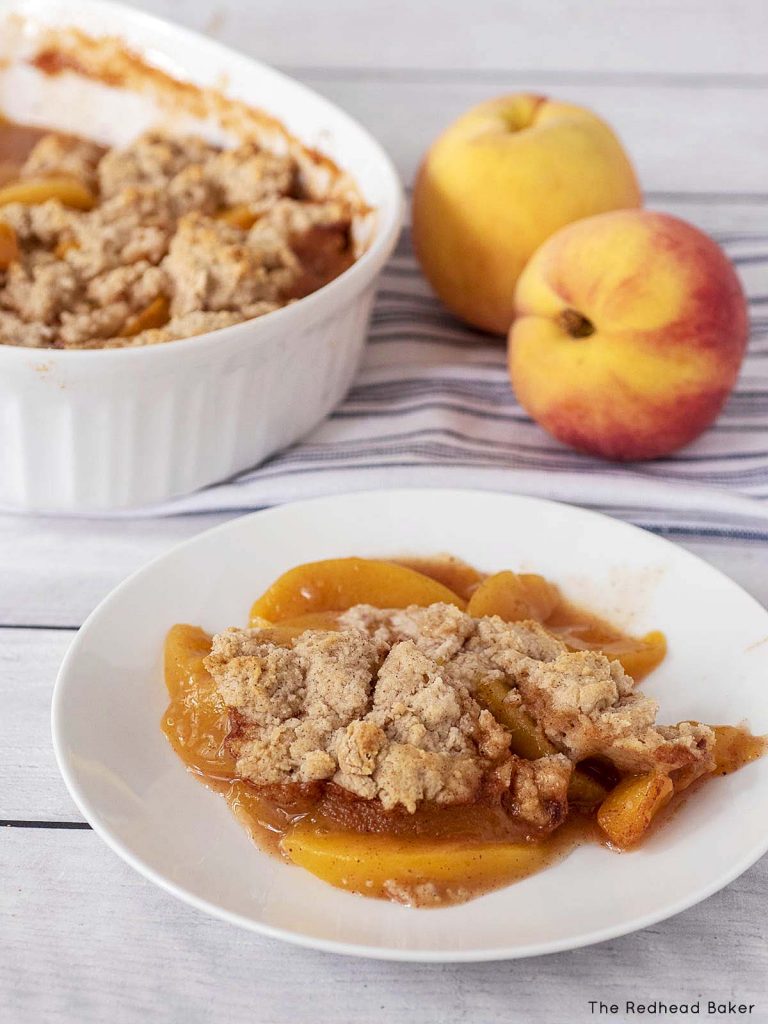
x,y
454,573
32,191
370,863
515,597
340,583
241,216
527,740
585,791
735,747
628,810
63,246
638,655
156,314
9,245
196,721
312,620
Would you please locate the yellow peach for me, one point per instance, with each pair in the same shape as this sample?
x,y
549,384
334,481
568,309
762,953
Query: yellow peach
x,y
497,183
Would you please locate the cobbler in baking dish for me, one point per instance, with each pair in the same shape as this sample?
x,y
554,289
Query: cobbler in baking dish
x,y
168,237
424,732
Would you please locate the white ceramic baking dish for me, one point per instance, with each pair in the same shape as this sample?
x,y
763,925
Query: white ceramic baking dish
x,y
84,431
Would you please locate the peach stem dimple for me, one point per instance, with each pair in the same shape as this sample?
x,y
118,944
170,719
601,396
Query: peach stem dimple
x,y
575,324
521,114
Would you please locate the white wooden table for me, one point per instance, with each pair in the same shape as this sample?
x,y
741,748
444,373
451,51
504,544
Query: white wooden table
x,y
83,938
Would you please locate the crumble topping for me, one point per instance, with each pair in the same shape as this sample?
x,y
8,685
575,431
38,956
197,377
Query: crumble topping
x,y
385,708
586,707
214,236
438,631
65,156
584,702
289,703
335,706
422,739
538,791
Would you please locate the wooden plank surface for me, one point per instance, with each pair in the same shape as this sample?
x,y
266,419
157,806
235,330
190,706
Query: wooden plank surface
x,y
661,125
144,957
84,938
666,39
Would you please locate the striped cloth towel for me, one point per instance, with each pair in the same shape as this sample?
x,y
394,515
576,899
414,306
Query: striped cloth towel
x,y
432,406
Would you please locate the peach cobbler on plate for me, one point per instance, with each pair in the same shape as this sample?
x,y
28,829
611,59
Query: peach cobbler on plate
x,y
423,732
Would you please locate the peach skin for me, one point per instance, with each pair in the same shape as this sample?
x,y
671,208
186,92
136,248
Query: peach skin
x,y
497,183
629,332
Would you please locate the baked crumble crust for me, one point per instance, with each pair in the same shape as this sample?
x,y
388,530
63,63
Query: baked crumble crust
x,y
585,703
385,709
161,230
538,790
380,723
586,707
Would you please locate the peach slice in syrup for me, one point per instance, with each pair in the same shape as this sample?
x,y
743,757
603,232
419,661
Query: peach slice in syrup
x,y
339,583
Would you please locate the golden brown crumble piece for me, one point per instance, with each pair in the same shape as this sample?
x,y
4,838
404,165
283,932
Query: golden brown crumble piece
x,y
211,267
42,225
586,706
538,791
439,631
39,289
461,644
248,175
324,709
64,156
422,740
153,160
289,702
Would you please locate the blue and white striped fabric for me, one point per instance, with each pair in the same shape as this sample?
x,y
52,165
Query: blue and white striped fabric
x,y
432,406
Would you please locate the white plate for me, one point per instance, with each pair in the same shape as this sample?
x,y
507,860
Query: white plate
x,y
131,787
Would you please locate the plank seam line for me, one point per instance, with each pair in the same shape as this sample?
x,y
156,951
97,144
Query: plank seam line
x,y
31,625
681,196
668,79
21,823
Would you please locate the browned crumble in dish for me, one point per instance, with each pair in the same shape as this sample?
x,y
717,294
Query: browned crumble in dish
x,y
167,238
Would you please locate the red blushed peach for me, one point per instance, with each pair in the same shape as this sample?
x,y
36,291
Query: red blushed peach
x,y
629,331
